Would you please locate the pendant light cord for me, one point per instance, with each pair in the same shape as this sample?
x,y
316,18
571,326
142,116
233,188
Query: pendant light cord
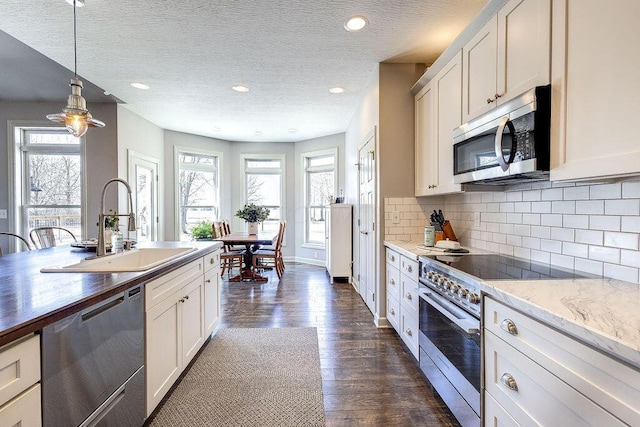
x,y
75,47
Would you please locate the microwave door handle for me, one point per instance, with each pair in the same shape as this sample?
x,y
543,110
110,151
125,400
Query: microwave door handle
x,y
504,164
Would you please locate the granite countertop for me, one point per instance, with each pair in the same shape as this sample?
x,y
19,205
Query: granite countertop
x,y
30,300
601,312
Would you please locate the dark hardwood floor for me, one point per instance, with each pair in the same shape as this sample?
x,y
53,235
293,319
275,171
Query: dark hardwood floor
x,y
369,377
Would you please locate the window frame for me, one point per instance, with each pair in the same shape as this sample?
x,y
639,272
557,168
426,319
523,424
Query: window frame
x,y
305,158
270,171
176,180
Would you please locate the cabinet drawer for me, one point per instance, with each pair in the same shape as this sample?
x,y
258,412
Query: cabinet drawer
x,y
409,267
19,367
393,281
608,382
164,286
393,312
212,260
393,258
25,410
534,396
409,332
495,415
409,296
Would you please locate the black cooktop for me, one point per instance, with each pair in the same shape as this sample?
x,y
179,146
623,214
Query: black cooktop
x,y
494,266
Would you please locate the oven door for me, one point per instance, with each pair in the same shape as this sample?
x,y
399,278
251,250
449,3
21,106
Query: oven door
x,y
450,354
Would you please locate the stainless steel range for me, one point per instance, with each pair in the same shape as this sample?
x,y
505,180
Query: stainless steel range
x,y
449,321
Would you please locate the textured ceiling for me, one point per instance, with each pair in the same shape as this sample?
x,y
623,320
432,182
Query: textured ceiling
x,y
288,52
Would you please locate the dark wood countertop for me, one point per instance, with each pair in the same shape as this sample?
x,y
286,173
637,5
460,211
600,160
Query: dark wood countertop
x,y
30,300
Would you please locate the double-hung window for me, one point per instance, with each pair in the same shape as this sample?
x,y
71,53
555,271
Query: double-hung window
x,y
264,185
50,180
198,189
320,190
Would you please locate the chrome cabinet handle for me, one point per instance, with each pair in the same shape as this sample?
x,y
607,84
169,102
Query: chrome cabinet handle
x,y
409,297
409,269
393,282
509,381
392,257
507,325
393,312
409,332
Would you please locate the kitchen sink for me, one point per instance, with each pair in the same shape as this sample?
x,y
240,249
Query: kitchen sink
x,y
134,260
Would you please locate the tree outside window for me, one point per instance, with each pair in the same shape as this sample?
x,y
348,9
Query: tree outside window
x,y
320,190
264,186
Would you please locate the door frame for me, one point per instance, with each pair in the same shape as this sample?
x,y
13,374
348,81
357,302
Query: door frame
x,y
135,158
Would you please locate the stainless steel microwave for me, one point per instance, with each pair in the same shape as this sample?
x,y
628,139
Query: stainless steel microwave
x,y
506,145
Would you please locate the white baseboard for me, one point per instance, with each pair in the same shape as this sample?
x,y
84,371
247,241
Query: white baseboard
x,y
318,262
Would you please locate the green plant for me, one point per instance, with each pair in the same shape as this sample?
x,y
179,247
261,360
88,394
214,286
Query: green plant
x,y
253,213
110,221
202,230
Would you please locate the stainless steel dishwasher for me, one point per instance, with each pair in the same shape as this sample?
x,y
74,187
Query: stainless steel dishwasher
x,y
92,365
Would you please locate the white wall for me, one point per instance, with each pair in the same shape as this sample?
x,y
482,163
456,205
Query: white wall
x,y
141,136
306,254
593,228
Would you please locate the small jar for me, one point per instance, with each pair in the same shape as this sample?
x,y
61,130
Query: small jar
x,y
429,235
117,241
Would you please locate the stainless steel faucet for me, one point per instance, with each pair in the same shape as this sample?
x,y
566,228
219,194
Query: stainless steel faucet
x,y
102,249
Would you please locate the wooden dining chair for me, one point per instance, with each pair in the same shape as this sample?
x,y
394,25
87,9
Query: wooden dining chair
x,y
45,237
272,257
22,239
230,258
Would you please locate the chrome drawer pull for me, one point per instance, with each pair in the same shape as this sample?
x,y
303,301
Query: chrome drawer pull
x,y
409,269
409,297
393,282
392,258
393,312
509,381
409,332
508,326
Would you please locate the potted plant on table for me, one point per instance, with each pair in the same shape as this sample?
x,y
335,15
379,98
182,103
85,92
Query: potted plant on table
x,y
253,214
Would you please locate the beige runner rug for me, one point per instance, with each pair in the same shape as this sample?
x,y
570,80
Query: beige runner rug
x,y
250,377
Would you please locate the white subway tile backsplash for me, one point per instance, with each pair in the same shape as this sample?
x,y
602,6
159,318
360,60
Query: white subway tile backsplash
x,y
532,196
563,234
531,242
552,246
552,194
589,266
620,272
568,207
575,221
576,193
605,191
532,219
395,200
622,207
521,252
591,237
575,249
631,190
493,207
514,196
621,240
500,197
541,207
562,261
590,207
543,257
514,218
524,207
630,258
499,238
514,240
506,228
522,230
630,224
606,223
506,207
493,227
601,253
542,232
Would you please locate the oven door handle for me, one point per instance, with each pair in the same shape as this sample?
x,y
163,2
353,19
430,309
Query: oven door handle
x,y
469,325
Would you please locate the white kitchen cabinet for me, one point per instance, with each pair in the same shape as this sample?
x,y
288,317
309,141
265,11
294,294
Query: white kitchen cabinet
x,y
438,112
174,327
20,402
508,56
592,96
393,288
212,283
338,237
540,376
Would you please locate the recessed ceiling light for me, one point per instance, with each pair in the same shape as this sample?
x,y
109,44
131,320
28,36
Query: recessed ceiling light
x,y
217,128
356,23
240,88
107,93
336,89
258,132
79,3
293,130
139,85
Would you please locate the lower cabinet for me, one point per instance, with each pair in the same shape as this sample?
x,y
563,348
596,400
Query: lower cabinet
x,y
182,309
402,297
535,375
20,403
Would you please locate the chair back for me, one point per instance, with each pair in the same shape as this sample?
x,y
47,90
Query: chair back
x,y
227,227
280,239
217,229
22,239
45,237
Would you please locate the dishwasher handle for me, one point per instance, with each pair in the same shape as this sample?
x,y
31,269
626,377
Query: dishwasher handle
x,y
101,309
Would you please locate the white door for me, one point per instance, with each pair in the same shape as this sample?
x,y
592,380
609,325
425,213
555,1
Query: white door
x,y
366,221
143,177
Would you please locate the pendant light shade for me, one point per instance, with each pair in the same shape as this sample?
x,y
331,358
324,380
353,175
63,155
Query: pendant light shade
x,y
75,116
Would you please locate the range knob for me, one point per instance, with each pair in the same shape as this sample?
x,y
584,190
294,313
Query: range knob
x,y
454,288
462,293
473,298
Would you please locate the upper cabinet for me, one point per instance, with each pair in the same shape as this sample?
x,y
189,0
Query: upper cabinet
x,y
595,87
507,57
438,112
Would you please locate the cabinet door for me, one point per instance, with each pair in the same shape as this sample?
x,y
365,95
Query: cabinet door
x,y
211,300
163,361
192,320
594,97
24,411
524,43
425,146
448,84
479,59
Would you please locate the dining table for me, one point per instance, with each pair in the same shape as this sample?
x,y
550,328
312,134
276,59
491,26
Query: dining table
x,y
251,242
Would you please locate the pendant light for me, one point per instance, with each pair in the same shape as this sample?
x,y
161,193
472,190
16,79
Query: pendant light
x,y
75,115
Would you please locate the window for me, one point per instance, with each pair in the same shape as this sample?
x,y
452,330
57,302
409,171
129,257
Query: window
x,y
320,190
198,189
264,186
49,180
